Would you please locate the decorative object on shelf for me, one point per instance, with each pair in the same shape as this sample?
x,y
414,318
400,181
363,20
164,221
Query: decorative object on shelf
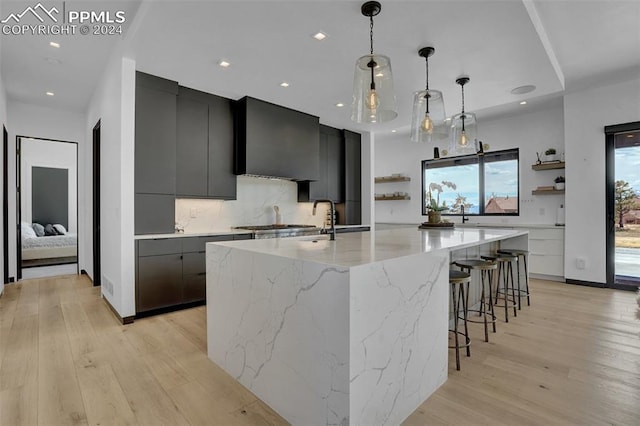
x,y
374,99
550,155
559,183
434,208
539,161
463,127
436,153
427,122
479,148
396,177
560,215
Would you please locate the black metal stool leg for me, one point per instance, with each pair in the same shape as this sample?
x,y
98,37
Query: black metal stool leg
x,y
493,314
513,289
455,323
519,292
503,271
526,278
482,305
464,315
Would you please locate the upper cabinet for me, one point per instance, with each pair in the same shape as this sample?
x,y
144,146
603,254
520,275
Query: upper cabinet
x,y
330,183
155,133
204,154
155,154
272,140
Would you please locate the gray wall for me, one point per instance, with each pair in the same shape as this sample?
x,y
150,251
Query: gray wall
x,y
50,196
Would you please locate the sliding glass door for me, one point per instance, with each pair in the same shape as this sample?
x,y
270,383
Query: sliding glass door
x,y
623,205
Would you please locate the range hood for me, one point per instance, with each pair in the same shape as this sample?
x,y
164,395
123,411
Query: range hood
x,y
274,141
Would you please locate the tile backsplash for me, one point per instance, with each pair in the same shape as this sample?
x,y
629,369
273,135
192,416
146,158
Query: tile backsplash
x,y
253,206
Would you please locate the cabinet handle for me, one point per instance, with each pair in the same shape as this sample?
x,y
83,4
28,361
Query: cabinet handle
x,y
181,257
202,273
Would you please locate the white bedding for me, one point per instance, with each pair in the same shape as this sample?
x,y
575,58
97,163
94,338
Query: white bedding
x,y
49,247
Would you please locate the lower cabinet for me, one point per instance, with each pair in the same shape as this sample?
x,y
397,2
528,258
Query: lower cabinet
x,y
171,272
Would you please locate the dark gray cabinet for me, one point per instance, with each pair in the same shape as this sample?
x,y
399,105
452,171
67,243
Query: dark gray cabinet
x,y
155,150
171,272
352,209
204,152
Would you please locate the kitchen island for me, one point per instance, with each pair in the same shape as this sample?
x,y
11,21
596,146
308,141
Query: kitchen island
x,y
352,331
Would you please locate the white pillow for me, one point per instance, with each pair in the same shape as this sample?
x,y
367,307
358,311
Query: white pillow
x,y
27,231
59,229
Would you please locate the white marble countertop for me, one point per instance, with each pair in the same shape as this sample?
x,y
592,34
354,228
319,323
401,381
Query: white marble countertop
x,y
360,248
195,234
383,225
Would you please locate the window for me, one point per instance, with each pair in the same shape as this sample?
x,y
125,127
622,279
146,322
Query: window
x,y
485,185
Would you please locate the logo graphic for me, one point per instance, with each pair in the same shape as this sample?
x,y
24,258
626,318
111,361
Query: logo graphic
x,y
34,11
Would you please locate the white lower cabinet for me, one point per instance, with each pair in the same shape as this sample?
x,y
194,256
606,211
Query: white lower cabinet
x,y
546,251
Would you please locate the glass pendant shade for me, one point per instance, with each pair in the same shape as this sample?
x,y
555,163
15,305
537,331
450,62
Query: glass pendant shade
x,y
464,133
373,103
428,126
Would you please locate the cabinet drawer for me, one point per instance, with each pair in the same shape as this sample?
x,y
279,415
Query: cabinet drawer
x,y
193,263
159,247
159,282
546,234
546,247
547,265
197,244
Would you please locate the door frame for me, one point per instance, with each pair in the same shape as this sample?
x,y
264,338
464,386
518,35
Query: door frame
x,y
19,200
97,270
5,205
610,188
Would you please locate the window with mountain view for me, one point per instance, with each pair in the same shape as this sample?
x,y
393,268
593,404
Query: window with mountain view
x,y
451,183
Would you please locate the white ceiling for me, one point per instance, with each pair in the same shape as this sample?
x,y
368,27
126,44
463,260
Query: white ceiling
x,y
497,43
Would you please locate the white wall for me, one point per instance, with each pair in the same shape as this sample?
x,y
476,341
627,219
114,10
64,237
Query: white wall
x,y
530,131
45,123
58,155
586,113
3,121
113,103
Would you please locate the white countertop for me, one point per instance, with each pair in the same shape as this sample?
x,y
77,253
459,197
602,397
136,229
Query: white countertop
x,y
383,225
360,248
195,234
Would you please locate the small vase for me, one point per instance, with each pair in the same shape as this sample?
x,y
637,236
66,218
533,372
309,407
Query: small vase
x,y
550,158
559,186
434,216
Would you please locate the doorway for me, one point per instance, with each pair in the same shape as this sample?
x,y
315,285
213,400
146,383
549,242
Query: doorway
x,y
96,205
47,207
623,205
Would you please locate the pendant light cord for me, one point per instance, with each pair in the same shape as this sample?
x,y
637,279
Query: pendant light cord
x,y
371,63
371,32
463,116
426,95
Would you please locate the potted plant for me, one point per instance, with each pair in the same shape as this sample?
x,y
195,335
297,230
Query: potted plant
x,y
434,208
559,183
550,155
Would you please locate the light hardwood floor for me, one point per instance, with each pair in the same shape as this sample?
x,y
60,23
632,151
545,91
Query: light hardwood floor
x,y
571,358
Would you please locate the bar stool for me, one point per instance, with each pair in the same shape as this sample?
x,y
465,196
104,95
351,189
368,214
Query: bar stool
x,y
505,270
486,269
459,279
523,253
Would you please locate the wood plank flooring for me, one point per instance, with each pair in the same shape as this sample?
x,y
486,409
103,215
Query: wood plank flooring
x,y
571,358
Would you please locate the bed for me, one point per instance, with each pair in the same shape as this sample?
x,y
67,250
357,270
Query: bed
x,y
48,250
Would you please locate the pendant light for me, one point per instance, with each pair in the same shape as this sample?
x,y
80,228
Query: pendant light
x,y
427,123
463,127
374,100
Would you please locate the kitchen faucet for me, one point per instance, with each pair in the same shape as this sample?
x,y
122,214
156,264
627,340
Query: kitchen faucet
x,y
464,219
332,212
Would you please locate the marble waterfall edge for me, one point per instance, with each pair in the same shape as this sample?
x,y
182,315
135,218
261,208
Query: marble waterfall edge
x,y
280,327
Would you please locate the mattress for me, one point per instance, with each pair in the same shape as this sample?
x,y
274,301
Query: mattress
x,y
50,247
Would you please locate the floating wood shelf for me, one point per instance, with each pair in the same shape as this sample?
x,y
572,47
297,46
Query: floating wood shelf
x,y
547,191
405,197
549,166
385,179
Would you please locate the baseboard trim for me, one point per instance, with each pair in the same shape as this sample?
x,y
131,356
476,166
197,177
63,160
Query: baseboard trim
x,y
123,321
547,277
83,272
585,283
170,309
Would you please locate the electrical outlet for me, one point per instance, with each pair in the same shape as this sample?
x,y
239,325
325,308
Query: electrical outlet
x,y
581,263
193,212
107,285
542,211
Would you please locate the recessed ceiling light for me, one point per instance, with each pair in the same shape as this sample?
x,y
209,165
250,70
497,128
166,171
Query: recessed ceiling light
x,y
521,90
284,84
523,103
319,36
447,119
50,93
54,44
339,104
224,64
393,131
629,136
